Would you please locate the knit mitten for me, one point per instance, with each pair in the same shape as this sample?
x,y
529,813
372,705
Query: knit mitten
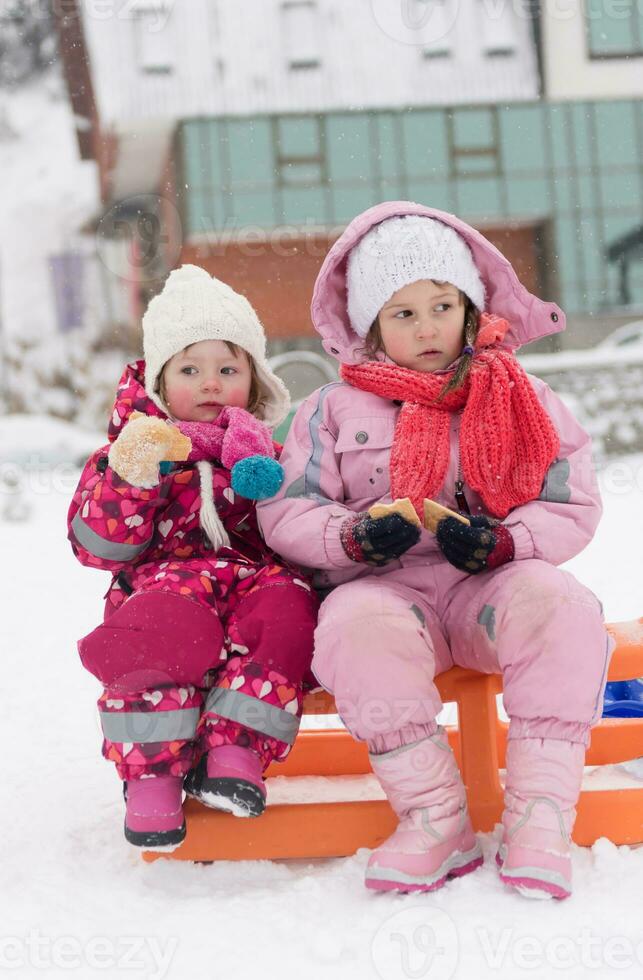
x,y
377,540
243,444
474,548
136,454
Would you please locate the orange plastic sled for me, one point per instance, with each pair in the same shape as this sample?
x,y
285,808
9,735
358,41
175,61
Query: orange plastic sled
x,y
336,829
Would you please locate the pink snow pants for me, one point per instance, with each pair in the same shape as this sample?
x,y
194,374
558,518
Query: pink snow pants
x,y
382,639
203,653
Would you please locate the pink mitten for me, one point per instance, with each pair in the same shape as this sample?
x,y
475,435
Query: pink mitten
x,y
245,436
232,436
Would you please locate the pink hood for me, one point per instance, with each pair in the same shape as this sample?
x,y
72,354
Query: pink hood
x,y
530,318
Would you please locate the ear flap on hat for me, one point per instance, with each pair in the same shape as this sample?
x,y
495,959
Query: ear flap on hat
x,y
276,400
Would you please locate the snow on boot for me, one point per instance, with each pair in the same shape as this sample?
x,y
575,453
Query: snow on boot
x,y
434,840
154,812
229,777
543,783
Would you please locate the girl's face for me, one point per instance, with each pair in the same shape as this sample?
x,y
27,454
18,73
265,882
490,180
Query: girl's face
x,y
201,379
422,326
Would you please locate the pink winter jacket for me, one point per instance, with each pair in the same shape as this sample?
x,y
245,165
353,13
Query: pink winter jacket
x,y
337,453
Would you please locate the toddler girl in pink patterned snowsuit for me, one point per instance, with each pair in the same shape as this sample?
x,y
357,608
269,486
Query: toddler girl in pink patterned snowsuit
x,y
424,314
207,635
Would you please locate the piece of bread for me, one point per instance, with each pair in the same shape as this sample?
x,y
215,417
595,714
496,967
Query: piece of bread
x,y
434,513
176,446
402,506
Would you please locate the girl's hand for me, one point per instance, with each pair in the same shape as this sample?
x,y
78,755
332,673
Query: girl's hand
x,y
377,540
475,547
142,445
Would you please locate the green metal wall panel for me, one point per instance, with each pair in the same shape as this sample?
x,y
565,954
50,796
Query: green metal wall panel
x,y
350,150
425,144
616,123
250,153
390,160
528,196
479,198
438,193
521,134
580,164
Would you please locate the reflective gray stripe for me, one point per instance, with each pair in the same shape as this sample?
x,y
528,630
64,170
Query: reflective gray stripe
x,y
149,726
101,547
457,859
297,489
487,618
610,645
419,614
556,486
252,713
310,484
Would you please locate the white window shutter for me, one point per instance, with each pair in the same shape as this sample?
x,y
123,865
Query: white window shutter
x,y
300,22
153,37
437,24
498,28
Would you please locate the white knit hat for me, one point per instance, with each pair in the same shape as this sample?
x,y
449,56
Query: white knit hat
x,y
403,250
194,306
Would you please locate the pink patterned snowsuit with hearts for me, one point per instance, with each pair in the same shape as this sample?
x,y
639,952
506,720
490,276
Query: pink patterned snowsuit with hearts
x,y
197,648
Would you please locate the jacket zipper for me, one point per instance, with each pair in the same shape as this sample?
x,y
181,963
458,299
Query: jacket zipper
x,y
460,499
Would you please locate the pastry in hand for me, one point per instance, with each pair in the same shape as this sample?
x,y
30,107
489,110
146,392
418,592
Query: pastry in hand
x,y
143,444
401,506
434,513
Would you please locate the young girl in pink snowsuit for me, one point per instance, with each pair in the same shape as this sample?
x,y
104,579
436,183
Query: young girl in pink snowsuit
x,y
424,315
207,634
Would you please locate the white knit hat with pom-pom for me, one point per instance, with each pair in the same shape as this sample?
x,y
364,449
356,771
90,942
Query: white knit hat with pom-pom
x,y
403,250
194,306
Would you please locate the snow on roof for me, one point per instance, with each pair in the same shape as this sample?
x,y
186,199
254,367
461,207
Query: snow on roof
x,y
265,56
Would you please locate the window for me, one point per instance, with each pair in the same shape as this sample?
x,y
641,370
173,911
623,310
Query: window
x,y
300,23
153,37
299,151
614,28
436,23
497,28
474,143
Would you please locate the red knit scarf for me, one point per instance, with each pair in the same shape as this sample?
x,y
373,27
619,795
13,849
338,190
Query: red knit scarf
x,y
507,439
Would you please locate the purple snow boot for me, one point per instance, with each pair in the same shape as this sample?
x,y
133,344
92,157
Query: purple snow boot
x,y
154,812
434,840
229,777
543,783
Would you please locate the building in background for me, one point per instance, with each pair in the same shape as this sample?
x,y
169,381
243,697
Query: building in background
x,y
592,58
244,136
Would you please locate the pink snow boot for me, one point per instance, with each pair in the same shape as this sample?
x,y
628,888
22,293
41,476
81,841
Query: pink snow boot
x,y
229,777
544,778
154,812
434,840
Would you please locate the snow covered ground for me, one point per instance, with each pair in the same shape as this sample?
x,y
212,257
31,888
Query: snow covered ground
x,y
77,900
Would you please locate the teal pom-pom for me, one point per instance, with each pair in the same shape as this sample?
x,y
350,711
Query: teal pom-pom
x,y
257,477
